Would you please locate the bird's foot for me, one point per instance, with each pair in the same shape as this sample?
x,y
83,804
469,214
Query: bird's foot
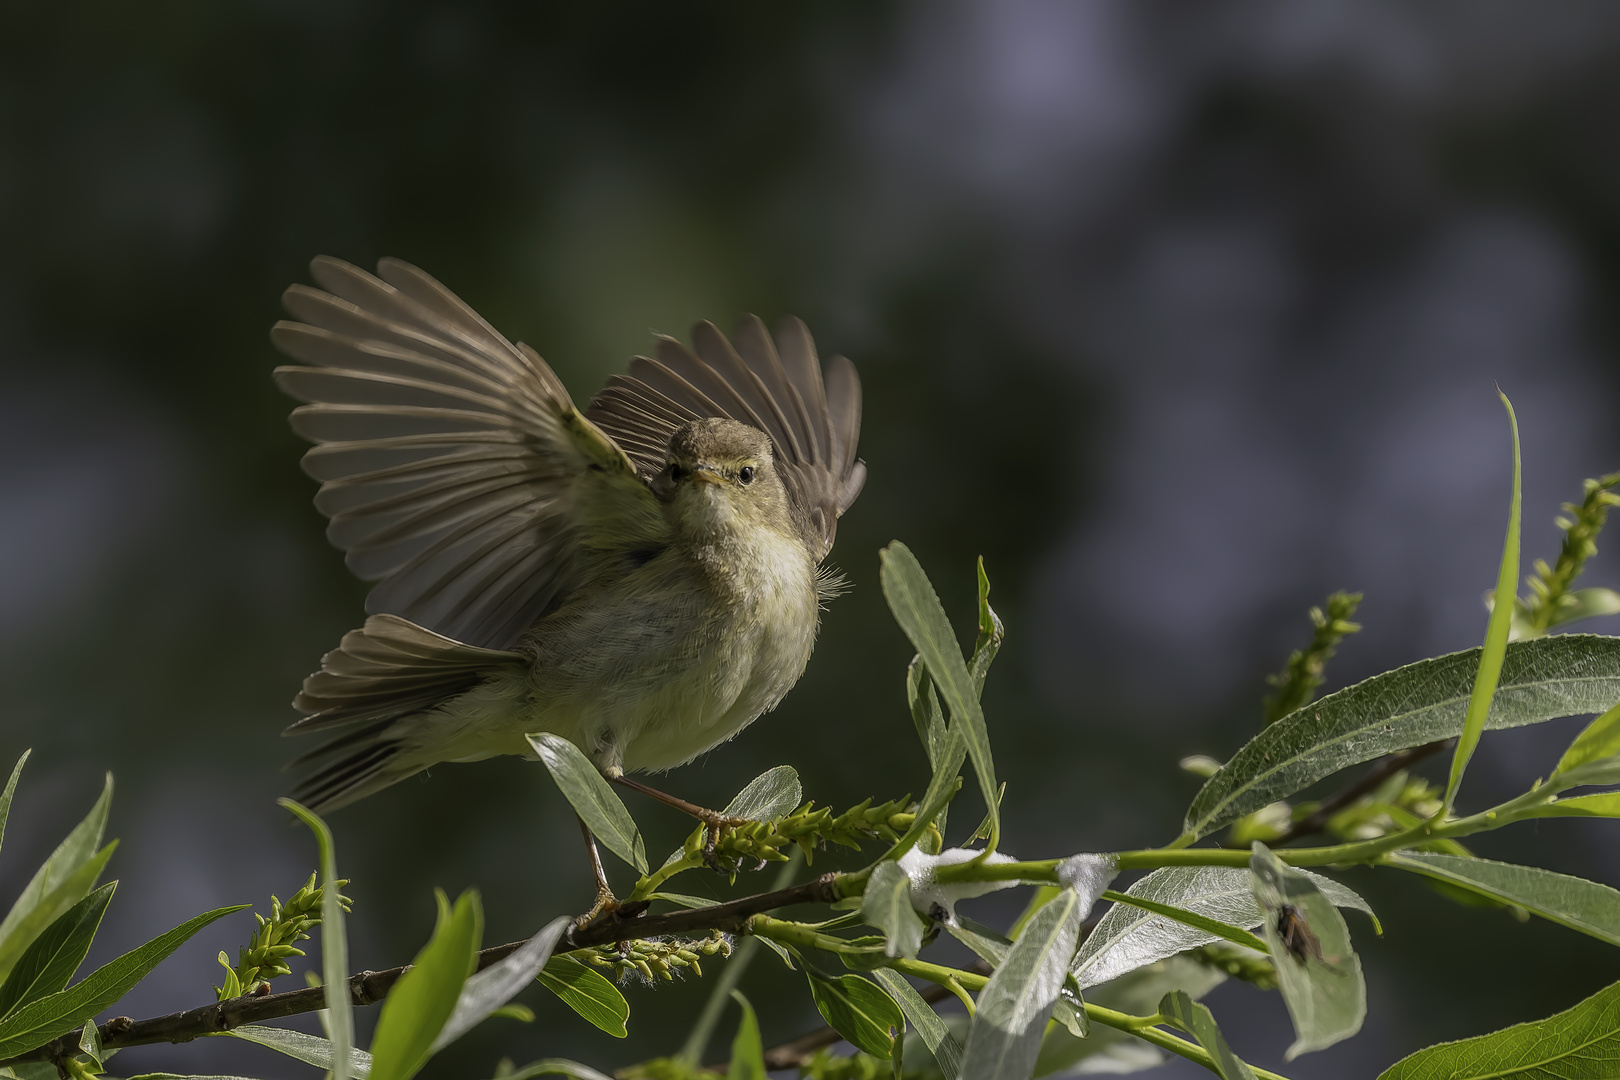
x,y
715,826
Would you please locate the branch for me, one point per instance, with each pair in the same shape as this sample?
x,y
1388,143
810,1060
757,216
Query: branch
x,y
370,987
1394,763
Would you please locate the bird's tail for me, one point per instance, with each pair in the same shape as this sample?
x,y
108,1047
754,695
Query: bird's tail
x,y
384,673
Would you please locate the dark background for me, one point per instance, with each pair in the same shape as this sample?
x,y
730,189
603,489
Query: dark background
x,y
1182,315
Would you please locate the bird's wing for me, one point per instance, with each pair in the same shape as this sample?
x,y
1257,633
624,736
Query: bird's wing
x,y
453,465
813,421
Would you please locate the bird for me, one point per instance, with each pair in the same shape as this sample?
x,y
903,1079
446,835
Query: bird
x,y
643,578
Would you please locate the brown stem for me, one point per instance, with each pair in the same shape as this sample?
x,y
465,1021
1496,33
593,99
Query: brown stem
x,y
370,987
1394,763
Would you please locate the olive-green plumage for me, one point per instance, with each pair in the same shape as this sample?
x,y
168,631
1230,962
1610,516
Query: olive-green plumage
x,y
643,578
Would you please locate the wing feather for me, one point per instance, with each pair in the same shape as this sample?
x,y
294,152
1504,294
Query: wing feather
x,y
814,426
453,464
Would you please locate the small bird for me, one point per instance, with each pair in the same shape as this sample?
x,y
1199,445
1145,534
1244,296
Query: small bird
x,y
643,578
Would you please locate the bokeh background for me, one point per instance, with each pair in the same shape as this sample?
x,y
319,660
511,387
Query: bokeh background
x,y
1181,314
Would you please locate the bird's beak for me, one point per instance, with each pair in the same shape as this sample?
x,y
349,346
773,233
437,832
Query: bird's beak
x,y
705,474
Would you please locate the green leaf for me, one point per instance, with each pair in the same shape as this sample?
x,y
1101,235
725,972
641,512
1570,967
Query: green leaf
x,y
557,1067
1570,901
886,904
1410,706
1137,993
499,983
921,1015
918,611
858,1010
1585,604
56,954
1606,805
58,884
36,1024
1235,934
926,715
11,788
1580,1043
592,798
987,944
186,1076
772,794
1196,1020
1496,632
417,1008
334,945
1005,1037
1601,739
1320,976
311,1049
588,993
1129,937
747,1051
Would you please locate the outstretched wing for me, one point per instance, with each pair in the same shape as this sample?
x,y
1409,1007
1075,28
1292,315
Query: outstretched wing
x,y
453,465
813,422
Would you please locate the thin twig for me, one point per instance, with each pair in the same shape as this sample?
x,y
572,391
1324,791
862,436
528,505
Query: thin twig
x,y
1389,766
370,987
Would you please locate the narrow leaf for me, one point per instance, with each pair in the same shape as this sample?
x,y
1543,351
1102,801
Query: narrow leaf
x,y
1005,1037
417,1008
921,1015
1137,993
747,1051
36,1024
987,944
592,798
1600,740
1128,937
1580,1043
11,789
339,1020
58,901
1196,1020
772,794
1496,632
886,905
1413,705
926,715
1235,934
311,1049
858,1010
1318,971
557,1067
917,609
499,983
588,993
1606,805
56,954
1570,901
44,898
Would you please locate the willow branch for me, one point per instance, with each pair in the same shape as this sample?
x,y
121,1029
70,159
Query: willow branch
x,y
370,987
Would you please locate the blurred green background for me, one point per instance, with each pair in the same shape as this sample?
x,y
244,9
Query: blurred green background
x,y
1182,315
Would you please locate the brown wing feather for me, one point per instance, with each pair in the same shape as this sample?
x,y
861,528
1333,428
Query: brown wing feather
x,y
453,465
813,425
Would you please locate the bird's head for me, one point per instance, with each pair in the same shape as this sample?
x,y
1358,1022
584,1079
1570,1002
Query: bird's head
x,y
721,475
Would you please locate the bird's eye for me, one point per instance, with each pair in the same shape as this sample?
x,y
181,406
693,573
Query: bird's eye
x,y
676,472
745,475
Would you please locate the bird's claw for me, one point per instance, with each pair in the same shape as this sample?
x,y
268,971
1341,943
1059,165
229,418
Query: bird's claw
x,y
714,826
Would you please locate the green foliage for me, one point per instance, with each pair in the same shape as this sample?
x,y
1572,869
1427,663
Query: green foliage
x,y
587,993
661,959
426,995
1296,684
1196,1020
1580,1043
310,1049
265,955
747,1052
1571,901
334,944
1551,601
1005,1036
1420,703
592,798
857,1009
1317,968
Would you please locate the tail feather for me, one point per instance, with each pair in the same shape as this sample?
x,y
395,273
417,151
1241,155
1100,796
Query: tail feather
x,y
381,674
